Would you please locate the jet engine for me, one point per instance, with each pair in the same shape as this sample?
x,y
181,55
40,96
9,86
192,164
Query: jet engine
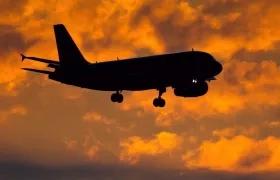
x,y
194,90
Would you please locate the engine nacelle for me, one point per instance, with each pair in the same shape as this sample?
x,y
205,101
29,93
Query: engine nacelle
x,y
194,90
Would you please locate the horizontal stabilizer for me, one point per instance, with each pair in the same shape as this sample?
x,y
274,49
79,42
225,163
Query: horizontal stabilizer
x,y
37,70
23,57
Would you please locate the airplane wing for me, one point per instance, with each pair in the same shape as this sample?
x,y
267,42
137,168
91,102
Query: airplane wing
x,y
23,57
37,70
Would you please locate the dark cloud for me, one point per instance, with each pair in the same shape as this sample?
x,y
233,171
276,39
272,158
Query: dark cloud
x,y
90,44
107,41
260,156
179,38
261,55
243,25
53,117
109,30
231,75
13,41
222,8
22,170
9,8
175,38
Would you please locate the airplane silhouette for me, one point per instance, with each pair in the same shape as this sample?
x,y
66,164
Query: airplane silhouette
x,y
186,72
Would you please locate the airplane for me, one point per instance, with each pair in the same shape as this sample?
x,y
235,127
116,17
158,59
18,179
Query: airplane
x,y
186,72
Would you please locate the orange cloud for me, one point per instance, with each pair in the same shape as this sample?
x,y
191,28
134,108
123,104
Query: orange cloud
x,y
252,130
135,147
91,152
89,146
272,123
239,153
228,132
14,110
192,139
70,144
106,30
96,117
167,118
242,24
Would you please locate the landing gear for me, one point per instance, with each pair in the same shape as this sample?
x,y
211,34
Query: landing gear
x,y
159,102
117,97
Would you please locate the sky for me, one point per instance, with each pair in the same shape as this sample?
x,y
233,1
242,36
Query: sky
x,y
54,131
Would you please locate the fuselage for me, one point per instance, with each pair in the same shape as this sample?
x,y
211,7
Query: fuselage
x,y
144,73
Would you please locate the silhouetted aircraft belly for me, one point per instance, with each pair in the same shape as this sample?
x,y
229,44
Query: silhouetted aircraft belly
x,y
186,72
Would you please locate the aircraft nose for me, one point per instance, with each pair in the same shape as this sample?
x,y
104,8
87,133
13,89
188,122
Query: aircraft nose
x,y
217,67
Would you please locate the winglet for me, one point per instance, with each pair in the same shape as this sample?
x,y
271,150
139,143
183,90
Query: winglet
x,y
22,57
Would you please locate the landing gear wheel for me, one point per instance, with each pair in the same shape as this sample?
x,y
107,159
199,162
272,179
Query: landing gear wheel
x,y
161,103
116,97
158,102
120,98
155,102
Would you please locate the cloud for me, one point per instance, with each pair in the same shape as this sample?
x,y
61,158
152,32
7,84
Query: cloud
x,y
15,170
9,11
96,117
12,44
89,146
239,114
228,132
272,123
258,56
163,142
192,139
239,153
14,110
167,118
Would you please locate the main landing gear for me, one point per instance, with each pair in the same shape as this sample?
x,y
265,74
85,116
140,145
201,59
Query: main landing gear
x,y
117,97
159,102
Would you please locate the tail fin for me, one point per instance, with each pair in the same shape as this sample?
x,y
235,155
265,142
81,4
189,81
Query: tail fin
x,y
68,52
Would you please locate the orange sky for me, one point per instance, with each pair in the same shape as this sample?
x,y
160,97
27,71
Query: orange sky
x,y
232,130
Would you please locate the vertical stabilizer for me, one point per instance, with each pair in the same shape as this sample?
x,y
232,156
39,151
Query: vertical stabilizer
x,y
68,52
